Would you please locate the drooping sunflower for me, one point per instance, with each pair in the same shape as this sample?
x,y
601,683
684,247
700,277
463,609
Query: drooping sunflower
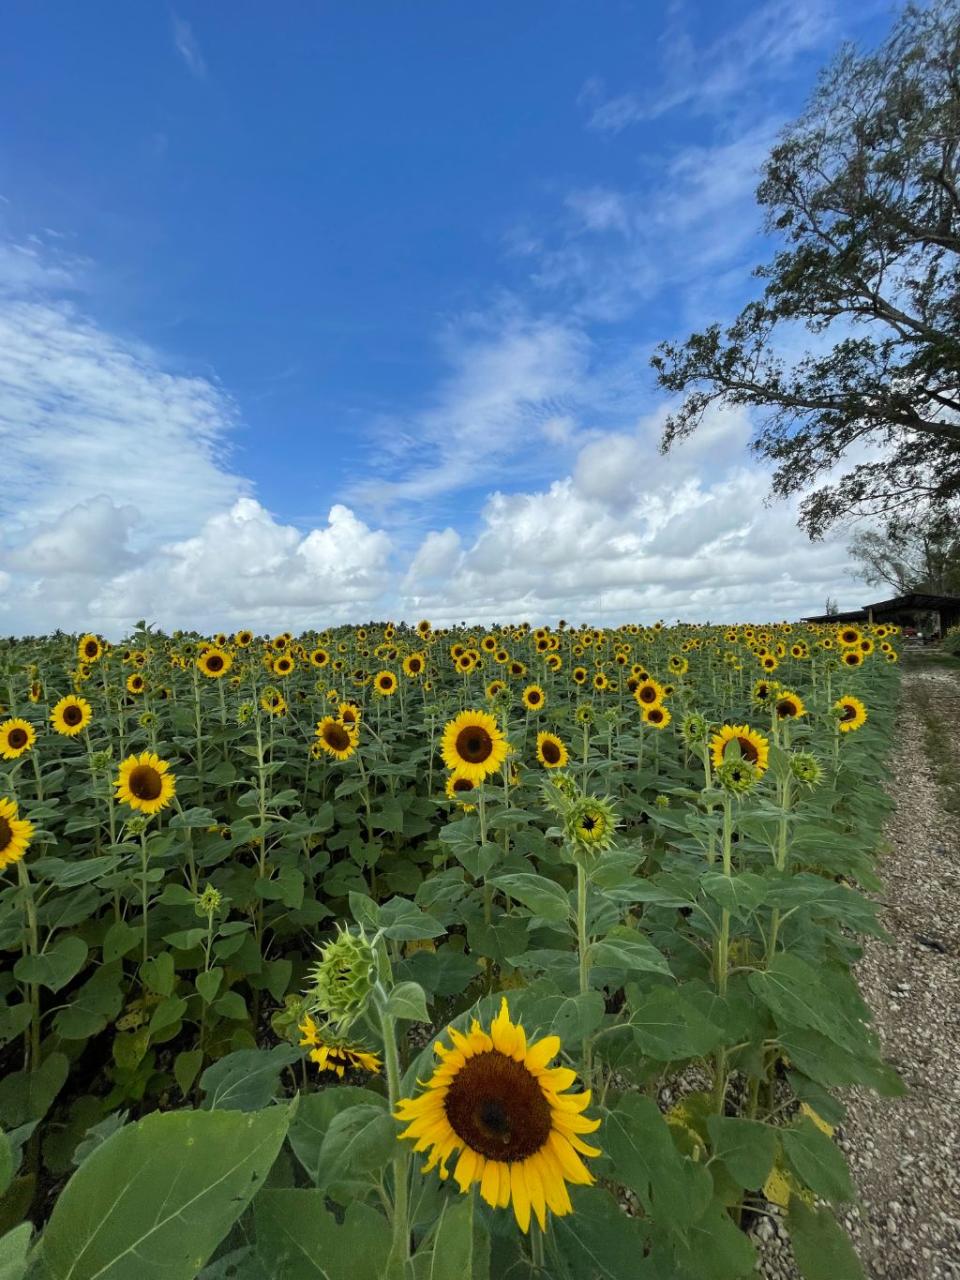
x,y
15,834
273,702
413,665
763,691
494,1099
71,715
336,738
16,737
789,706
335,1055
754,747
657,716
145,783
385,684
89,648
851,713
215,663
473,745
458,787
533,697
551,751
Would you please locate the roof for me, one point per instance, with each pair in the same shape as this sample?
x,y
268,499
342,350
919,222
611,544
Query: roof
x,y
913,601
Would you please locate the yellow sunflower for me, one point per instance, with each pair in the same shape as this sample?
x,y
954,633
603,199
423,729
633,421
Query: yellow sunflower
x,y
215,663
852,658
458,786
648,693
473,745
136,683
335,1056
789,706
579,675
848,636
283,666
754,747
851,713
349,713
534,699
243,639
89,648
273,702
551,751
16,737
494,689
145,783
413,665
657,716
15,834
71,715
494,1099
336,739
385,684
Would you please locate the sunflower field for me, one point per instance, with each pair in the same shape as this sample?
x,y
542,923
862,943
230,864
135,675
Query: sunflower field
x,y
435,954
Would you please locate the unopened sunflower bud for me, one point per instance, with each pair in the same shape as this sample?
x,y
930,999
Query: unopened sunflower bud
x,y
101,761
343,978
806,768
737,776
137,825
694,729
245,711
590,824
147,720
209,902
584,713
662,801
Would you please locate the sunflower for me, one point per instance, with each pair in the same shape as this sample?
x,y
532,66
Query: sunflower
x,y
657,715
648,693
71,715
678,665
848,636
852,658
273,702
754,747
349,713
763,691
215,663
554,661
335,1056
145,783
851,713
769,662
457,786
473,745
601,682
283,666
89,648
494,689
413,665
534,699
385,684
336,738
16,737
551,751
15,834
789,706
579,675
494,1099
242,639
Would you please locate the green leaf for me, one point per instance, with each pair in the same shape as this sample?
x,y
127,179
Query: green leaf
x,y
404,921
158,973
817,1160
667,1026
185,1068
747,1148
636,1139
822,1249
97,1002
29,1095
716,1248
408,1000
246,1080
13,1252
542,896
231,1005
191,818
822,999
626,950
298,1238
158,1196
598,1241
740,893
55,967
208,984
7,1166
461,1249
119,940
314,1117
169,1011
359,1140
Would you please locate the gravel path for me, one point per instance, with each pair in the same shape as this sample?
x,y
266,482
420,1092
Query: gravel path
x,y
904,1153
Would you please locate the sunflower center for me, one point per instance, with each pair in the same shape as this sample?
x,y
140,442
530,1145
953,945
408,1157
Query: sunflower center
x,y
336,736
786,708
145,782
6,834
462,784
72,714
90,648
215,663
747,750
551,752
474,744
849,712
648,695
17,738
497,1108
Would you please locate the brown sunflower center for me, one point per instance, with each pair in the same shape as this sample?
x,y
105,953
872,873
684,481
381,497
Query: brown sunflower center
x,y
497,1108
17,738
414,664
786,708
551,752
336,736
748,751
474,744
656,715
145,782
90,648
647,694
214,662
849,712
72,714
385,682
6,834
533,697
462,784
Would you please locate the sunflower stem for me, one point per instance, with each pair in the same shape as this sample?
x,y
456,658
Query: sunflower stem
x,y
144,892
391,1058
583,949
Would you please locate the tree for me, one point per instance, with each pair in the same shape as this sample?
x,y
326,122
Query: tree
x,y
831,609
864,193
922,557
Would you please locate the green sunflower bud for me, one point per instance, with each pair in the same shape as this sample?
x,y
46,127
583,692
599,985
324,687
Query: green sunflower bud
x,y
806,768
584,713
737,776
209,902
590,824
694,729
343,978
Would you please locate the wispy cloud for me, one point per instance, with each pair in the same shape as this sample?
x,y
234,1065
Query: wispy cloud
x,y
701,79
187,47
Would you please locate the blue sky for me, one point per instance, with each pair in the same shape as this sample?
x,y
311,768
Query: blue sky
x,y
345,310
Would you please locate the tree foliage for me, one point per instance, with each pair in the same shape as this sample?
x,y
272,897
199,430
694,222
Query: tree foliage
x,y
922,556
863,194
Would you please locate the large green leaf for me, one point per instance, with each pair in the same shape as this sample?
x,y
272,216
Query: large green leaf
x,y
13,1252
299,1239
636,1139
315,1113
629,952
667,1026
542,896
817,1160
747,1147
598,1241
461,1245
156,1198
55,967
246,1080
822,1249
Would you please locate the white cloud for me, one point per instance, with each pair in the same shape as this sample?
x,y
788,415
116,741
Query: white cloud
x,y
188,48
89,538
